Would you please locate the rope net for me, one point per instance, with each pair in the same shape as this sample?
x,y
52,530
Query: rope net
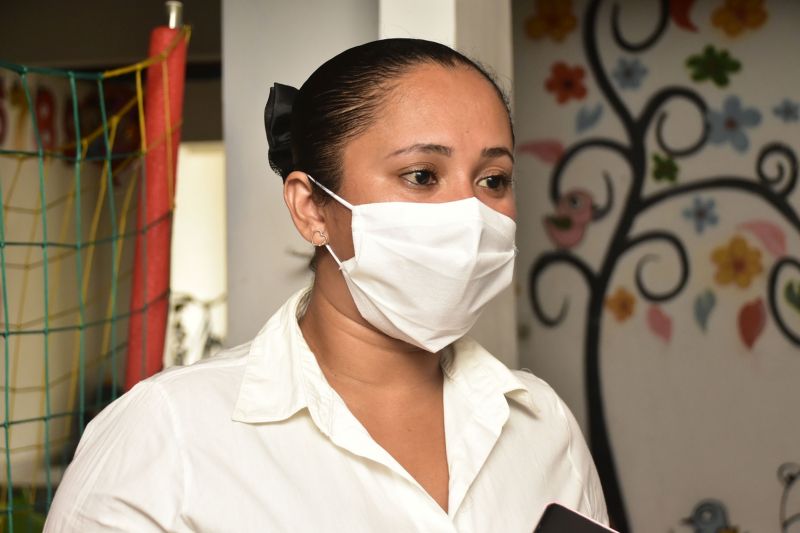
x,y
75,151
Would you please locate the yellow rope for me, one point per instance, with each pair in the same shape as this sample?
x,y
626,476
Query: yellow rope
x,y
29,263
185,34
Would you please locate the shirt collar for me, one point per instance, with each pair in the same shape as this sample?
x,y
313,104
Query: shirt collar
x,y
484,375
282,375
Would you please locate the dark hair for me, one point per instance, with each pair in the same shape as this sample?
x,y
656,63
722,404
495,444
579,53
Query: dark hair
x,y
339,101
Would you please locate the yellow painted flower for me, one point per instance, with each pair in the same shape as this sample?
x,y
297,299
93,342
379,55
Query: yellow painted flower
x,y
553,18
737,263
735,16
621,304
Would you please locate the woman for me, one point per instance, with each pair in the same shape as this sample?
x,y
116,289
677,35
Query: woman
x,y
360,406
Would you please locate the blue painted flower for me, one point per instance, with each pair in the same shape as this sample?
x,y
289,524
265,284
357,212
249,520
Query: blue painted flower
x,y
729,124
787,111
629,73
701,213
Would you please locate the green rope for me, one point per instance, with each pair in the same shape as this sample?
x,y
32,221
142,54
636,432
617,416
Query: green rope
x,y
116,317
7,371
23,69
72,367
105,240
78,246
46,290
113,219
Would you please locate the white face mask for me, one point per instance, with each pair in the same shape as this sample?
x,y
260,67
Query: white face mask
x,y
422,272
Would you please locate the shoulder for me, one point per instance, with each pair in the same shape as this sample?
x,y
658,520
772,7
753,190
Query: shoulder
x,y
180,402
217,376
541,392
550,407
130,470
557,416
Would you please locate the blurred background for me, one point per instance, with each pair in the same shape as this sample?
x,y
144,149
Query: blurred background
x,y
658,280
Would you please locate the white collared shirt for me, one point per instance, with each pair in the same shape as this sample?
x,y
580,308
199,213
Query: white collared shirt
x,y
255,439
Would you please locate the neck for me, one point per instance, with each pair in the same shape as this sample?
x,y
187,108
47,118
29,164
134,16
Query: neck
x,y
351,352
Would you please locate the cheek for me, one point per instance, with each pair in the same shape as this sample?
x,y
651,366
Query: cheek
x,y
505,205
340,231
509,209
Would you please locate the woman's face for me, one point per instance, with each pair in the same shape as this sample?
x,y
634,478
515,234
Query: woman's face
x,y
441,135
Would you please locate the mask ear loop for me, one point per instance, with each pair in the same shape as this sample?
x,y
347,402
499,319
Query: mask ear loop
x,y
332,194
342,201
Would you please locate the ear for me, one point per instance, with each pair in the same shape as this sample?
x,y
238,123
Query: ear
x,y
307,215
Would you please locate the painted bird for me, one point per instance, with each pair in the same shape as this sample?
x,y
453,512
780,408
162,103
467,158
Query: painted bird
x,y
574,211
710,516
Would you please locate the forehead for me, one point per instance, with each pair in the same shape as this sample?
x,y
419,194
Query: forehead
x,y
447,105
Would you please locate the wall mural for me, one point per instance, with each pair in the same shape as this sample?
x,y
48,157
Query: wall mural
x,y
756,248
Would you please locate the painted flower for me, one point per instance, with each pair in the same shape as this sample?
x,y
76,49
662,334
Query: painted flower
x,y
566,82
665,169
736,16
553,18
737,263
701,213
728,125
621,304
629,73
712,64
787,111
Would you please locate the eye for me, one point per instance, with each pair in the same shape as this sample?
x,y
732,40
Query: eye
x,y
421,177
575,201
499,182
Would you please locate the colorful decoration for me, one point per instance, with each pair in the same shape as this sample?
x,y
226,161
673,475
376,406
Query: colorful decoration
x,y
665,169
737,263
679,13
17,99
621,304
787,111
792,294
713,65
752,319
116,98
659,323
770,235
566,82
45,104
703,305
573,213
728,125
553,18
546,150
772,180
629,73
710,516
701,213
735,16
587,117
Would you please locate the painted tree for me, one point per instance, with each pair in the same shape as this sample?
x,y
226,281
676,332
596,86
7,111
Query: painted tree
x,y
773,181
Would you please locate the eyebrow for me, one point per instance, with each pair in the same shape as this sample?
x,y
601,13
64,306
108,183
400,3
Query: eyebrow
x,y
497,151
424,147
491,153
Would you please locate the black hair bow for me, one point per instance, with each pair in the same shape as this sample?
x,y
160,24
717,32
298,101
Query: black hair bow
x,y
278,123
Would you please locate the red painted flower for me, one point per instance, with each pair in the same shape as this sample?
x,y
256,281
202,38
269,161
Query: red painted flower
x,y
566,82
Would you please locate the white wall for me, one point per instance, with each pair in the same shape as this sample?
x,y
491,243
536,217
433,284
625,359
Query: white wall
x,y
263,43
693,413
